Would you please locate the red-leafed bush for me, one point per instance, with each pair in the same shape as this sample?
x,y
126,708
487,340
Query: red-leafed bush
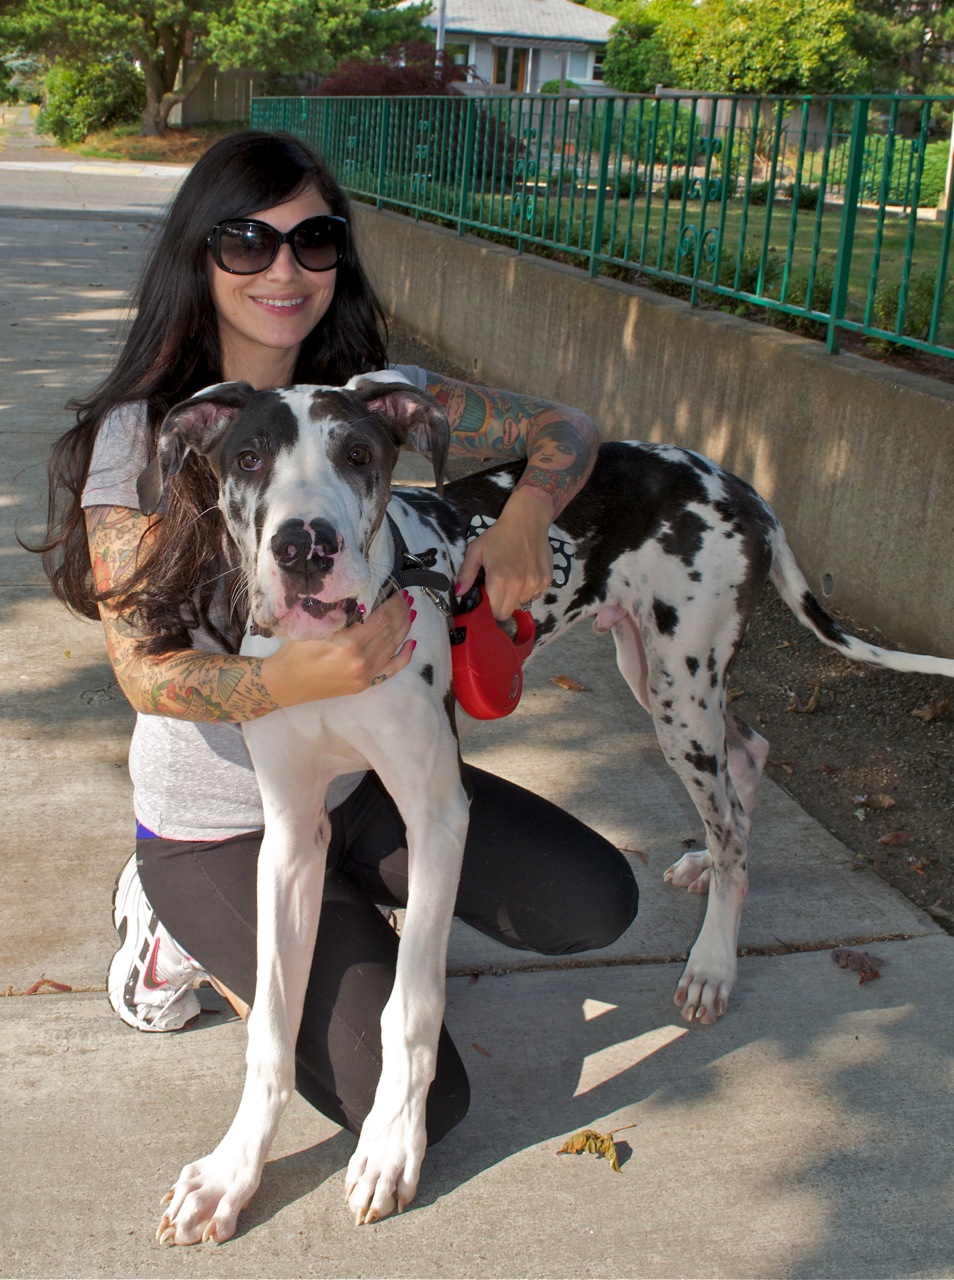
x,y
406,71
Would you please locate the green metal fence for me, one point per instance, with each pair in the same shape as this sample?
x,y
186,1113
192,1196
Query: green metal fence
x,y
823,211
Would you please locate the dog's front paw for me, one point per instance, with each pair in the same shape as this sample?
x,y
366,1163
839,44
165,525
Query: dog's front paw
x,y
206,1201
704,989
692,871
383,1172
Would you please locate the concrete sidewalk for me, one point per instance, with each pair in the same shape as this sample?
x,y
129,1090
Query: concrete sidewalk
x,y
808,1134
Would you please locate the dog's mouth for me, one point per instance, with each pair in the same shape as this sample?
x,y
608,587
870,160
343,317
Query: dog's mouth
x,y
316,608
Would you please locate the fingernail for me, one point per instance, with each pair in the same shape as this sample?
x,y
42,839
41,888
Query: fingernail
x,y
362,610
409,599
413,614
456,588
413,644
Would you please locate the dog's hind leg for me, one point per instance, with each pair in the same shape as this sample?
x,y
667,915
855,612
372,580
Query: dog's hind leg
x,y
747,752
709,750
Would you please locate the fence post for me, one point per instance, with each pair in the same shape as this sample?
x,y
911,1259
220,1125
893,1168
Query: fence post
x,y
384,122
849,213
467,158
606,143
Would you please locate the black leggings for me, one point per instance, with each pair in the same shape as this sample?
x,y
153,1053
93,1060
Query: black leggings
x,y
533,877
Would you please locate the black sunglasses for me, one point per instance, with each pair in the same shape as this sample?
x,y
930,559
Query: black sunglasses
x,y
244,247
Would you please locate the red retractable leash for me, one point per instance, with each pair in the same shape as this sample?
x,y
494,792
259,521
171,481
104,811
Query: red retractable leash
x,y
487,663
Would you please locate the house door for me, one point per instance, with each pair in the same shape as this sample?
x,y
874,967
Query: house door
x,y
510,67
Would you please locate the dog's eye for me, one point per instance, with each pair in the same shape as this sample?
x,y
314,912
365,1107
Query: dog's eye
x,y
248,461
359,455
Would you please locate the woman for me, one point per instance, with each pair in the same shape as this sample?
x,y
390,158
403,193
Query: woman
x,y
255,277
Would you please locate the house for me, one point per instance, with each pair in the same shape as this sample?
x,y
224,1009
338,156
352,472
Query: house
x,y
515,46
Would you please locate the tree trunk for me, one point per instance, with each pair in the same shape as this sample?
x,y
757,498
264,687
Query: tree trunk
x,y
152,127
161,93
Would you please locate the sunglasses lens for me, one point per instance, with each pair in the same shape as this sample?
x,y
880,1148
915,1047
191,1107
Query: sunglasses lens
x,y
245,247
318,243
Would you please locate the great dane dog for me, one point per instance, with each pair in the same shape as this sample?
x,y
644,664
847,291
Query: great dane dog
x,y
663,549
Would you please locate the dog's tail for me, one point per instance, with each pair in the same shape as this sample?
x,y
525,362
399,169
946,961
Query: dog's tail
x,y
792,587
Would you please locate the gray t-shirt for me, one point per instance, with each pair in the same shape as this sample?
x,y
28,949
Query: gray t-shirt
x,y
191,781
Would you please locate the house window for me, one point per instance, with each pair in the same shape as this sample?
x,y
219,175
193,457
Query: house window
x,y
457,55
579,67
598,66
510,68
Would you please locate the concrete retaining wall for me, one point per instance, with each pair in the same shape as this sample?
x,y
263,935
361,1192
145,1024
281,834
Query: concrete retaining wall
x,y
856,458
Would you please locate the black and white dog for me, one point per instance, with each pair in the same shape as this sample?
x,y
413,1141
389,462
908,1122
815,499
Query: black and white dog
x,y
663,549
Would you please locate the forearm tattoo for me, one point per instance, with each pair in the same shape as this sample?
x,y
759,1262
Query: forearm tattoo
x,y
559,444
189,684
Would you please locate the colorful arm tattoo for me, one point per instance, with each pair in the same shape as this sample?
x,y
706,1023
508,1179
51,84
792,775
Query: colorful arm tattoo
x,y
559,444
188,684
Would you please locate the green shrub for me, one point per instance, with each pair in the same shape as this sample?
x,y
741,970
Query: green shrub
x,y
630,184
807,196
93,95
918,308
759,192
554,86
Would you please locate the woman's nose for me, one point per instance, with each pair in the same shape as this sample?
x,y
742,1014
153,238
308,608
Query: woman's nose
x,y
285,266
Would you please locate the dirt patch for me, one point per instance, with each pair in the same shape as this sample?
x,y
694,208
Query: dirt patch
x,y
868,753
178,146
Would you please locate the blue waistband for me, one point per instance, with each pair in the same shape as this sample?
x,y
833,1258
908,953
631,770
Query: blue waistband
x,y
143,833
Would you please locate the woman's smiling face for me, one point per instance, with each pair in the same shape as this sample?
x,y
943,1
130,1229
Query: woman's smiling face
x,y
263,319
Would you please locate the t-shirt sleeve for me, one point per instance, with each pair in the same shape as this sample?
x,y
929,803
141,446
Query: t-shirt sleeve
x,y
414,374
119,454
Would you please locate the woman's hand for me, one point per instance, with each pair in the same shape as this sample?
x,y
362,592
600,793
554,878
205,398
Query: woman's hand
x,y
514,553
346,662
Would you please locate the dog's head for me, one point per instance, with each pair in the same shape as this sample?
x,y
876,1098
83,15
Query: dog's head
x,y
304,480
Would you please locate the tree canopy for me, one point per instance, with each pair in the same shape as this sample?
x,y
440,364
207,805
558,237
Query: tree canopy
x,y
783,46
285,37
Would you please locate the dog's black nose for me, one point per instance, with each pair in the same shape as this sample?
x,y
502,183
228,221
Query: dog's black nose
x,y
297,546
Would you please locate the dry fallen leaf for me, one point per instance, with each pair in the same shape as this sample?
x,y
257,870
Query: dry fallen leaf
x,y
880,801
597,1144
568,682
859,962
480,1049
48,983
732,694
895,839
932,710
806,706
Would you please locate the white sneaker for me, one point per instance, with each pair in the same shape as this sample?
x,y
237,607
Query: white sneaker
x,y
151,980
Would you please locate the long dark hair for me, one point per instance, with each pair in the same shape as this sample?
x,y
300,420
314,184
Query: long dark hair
x,y
172,351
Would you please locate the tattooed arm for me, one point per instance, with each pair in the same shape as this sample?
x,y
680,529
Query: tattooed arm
x,y
193,684
560,446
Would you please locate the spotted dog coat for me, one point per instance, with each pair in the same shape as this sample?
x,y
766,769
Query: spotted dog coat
x,y
670,553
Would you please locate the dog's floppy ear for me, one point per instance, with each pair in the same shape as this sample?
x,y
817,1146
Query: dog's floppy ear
x,y
418,420
197,424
